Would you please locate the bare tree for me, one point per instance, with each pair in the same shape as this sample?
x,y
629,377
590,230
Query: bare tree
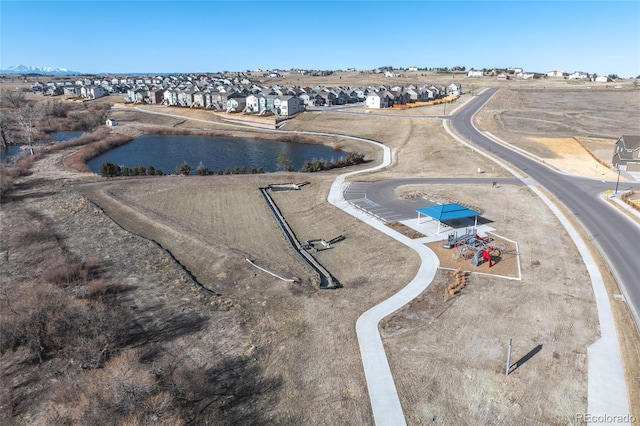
x,y
13,98
27,118
5,130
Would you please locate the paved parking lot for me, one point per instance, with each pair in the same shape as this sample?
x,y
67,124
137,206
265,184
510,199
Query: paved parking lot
x,y
379,198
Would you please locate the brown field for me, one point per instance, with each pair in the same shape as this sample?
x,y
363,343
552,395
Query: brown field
x,y
446,353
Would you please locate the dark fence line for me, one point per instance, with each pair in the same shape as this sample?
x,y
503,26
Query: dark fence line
x,y
326,280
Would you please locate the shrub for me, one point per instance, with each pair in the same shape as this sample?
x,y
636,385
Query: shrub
x,y
352,158
182,169
284,162
94,145
62,270
109,170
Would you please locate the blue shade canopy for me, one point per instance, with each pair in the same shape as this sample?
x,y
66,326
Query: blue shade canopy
x,y
447,211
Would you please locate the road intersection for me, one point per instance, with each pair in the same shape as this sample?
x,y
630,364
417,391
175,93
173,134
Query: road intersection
x,y
617,238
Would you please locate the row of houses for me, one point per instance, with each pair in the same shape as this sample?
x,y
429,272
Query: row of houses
x,y
291,100
242,94
518,73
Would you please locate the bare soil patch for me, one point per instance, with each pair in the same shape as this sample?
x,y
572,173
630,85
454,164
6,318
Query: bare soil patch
x,y
542,122
405,230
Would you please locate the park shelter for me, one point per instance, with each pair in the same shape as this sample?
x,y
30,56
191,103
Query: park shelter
x,y
451,211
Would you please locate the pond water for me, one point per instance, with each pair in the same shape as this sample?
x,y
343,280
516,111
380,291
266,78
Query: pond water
x,y
165,152
14,150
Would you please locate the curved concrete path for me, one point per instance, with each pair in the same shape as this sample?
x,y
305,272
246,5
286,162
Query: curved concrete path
x,y
385,403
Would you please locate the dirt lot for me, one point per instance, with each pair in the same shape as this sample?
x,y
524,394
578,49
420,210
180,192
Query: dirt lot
x,y
447,354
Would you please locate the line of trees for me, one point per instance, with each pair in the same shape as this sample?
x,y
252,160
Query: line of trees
x,y
351,159
284,164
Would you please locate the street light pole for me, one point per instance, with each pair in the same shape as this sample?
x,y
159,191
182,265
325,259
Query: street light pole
x,y
618,181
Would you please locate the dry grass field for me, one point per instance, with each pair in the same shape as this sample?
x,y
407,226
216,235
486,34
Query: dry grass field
x,y
447,354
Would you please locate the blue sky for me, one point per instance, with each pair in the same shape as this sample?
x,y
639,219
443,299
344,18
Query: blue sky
x,y
207,36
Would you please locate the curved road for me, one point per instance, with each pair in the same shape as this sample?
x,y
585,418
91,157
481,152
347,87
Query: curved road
x,y
617,238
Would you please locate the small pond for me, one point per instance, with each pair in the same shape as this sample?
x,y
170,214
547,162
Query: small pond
x,y
165,152
15,150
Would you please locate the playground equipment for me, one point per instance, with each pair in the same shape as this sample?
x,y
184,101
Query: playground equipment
x,y
473,246
453,239
481,253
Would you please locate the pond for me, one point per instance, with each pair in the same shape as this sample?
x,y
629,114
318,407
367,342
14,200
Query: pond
x,y
15,150
165,152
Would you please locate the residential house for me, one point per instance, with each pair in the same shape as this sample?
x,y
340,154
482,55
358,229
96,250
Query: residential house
x,y
578,75
413,95
556,73
170,97
252,104
199,100
288,105
325,98
136,95
342,97
156,96
71,91
398,97
267,103
236,103
185,98
377,100
358,95
626,154
475,73
454,89
92,92
426,94
54,90
602,79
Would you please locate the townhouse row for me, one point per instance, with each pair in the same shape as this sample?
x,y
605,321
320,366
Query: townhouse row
x,y
243,95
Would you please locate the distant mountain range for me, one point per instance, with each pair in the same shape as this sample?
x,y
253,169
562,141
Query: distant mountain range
x,y
25,69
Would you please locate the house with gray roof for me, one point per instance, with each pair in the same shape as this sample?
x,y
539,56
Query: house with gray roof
x,y
626,154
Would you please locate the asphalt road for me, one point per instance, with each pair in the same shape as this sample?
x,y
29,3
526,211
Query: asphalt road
x,y
617,237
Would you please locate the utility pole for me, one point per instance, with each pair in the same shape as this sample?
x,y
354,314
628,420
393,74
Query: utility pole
x,y
506,371
618,181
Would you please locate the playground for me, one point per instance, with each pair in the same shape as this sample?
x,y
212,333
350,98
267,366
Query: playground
x,y
489,254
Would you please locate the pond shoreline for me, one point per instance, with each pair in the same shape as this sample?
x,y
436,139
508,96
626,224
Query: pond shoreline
x,y
217,153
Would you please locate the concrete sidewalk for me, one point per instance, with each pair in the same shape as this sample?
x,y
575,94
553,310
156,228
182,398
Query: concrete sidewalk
x,y
385,403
